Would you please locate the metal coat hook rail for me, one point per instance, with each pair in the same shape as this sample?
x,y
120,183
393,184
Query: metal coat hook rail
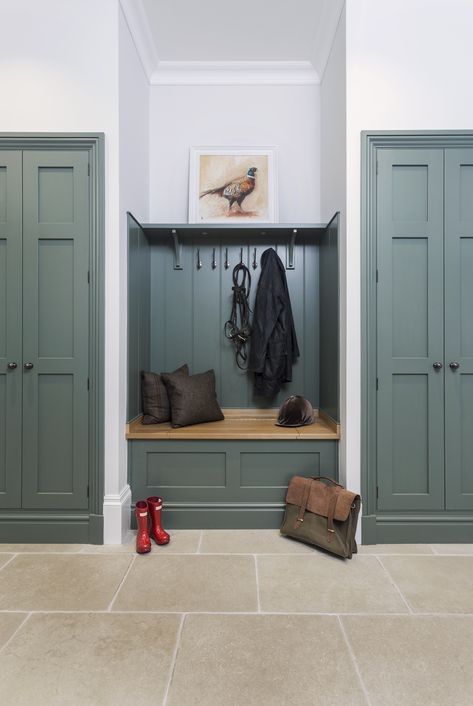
x,y
290,238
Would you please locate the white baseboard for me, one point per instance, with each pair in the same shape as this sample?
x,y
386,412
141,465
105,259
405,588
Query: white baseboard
x,y
116,516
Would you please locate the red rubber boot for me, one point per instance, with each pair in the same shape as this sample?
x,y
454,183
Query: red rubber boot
x,y
143,543
157,532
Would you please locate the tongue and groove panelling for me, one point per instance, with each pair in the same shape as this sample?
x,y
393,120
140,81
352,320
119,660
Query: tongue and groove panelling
x,y
189,308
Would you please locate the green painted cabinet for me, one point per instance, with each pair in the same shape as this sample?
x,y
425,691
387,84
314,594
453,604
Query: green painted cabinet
x,y
44,329
459,328
10,327
424,223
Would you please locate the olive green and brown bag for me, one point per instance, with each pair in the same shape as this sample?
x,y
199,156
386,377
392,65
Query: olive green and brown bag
x,y
322,513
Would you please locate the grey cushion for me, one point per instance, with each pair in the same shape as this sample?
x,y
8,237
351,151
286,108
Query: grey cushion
x,y
193,399
154,396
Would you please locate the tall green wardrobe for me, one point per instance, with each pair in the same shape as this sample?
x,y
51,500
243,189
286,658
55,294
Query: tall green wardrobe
x,y
423,343
45,224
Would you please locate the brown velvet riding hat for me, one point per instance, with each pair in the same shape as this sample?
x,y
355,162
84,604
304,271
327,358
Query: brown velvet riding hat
x,y
296,411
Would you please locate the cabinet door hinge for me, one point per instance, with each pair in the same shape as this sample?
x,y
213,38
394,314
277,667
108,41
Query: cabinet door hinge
x,y
377,167
88,277
377,276
87,491
377,384
88,170
377,492
88,383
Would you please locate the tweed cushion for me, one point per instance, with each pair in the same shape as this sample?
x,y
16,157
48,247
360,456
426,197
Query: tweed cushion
x,y
193,399
154,396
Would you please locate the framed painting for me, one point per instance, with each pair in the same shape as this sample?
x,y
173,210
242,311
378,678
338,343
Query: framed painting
x,y
233,185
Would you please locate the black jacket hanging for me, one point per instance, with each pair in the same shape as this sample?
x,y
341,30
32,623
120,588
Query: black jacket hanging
x,y
273,342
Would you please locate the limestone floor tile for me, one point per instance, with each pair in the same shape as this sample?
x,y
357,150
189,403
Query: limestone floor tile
x,y
415,660
453,548
4,559
263,661
434,584
182,542
251,542
380,549
9,622
323,584
61,582
88,660
189,583
41,548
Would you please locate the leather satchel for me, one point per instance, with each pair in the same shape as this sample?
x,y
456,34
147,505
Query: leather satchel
x,y
322,513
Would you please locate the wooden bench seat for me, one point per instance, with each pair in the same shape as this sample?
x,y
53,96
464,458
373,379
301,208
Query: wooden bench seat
x,y
238,424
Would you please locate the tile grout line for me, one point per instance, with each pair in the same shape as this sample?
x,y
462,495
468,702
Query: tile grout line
x,y
105,611
121,584
393,583
111,552
258,599
197,551
27,617
354,661
8,562
174,659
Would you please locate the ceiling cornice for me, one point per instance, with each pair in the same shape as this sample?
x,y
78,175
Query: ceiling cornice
x,y
325,36
234,73
137,22
215,73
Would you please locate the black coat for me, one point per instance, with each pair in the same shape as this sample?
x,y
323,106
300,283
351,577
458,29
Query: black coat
x,y
273,343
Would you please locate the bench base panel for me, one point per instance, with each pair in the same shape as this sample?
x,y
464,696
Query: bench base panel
x,y
225,484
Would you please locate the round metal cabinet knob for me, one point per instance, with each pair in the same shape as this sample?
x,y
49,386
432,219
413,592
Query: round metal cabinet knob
x,y
28,366
437,366
454,365
12,366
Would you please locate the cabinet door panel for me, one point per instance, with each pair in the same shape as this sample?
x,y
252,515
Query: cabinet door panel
x,y
410,446
10,328
459,328
55,325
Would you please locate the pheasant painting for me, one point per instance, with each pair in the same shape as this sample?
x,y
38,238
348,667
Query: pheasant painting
x,y
235,191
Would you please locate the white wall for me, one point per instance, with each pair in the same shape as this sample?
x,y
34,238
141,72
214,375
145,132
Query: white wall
x,y
134,197
408,68
333,185
185,116
59,73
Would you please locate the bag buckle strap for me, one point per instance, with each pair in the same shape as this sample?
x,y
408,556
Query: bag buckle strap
x,y
330,516
305,498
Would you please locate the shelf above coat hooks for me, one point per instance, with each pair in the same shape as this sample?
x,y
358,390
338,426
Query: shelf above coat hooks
x,y
267,234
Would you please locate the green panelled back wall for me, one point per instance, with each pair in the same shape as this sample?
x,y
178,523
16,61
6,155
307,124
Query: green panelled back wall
x,y
422,343
177,315
189,308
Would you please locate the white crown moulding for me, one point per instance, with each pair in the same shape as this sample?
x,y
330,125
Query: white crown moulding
x,y
234,73
137,21
325,36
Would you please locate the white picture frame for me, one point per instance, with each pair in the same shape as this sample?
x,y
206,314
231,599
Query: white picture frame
x,y
214,167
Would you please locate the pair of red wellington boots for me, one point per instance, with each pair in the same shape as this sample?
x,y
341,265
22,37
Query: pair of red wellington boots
x,y
146,511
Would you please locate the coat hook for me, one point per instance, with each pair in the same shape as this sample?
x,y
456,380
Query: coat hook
x,y
241,256
255,264
227,264
214,261
199,261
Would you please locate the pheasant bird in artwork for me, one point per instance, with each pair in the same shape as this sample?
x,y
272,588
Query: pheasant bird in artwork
x,y
237,190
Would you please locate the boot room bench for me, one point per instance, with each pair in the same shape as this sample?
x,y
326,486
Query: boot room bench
x,y
229,474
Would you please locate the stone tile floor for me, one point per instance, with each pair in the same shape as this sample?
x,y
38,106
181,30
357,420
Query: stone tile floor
x,y
230,618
